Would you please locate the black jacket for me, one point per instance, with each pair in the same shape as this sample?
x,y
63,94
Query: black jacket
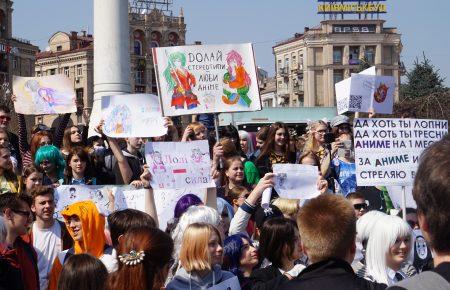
x,y
269,278
332,274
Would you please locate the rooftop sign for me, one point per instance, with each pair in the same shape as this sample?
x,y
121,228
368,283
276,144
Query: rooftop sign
x,y
351,7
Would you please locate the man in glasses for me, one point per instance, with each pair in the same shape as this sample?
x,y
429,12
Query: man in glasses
x,y
5,118
18,260
359,203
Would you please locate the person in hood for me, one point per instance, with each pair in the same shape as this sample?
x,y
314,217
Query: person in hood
x,y
86,227
201,258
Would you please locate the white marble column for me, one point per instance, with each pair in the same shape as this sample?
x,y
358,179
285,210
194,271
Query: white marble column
x,y
111,53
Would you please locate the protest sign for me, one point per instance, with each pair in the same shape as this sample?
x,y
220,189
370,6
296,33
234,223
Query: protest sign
x,y
179,164
387,150
206,79
296,181
364,92
166,199
44,95
124,197
132,115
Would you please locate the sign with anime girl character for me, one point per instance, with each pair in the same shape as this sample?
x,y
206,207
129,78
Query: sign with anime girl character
x,y
44,95
206,79
176,165
134,115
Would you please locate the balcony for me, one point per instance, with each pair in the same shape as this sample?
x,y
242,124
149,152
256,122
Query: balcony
x,y
283,71
298,88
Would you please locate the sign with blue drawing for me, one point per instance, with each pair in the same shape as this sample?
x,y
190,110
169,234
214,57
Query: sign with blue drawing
x,y
132,115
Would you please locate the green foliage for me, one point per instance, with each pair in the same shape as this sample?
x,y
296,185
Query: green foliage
x,y
363,64
423,80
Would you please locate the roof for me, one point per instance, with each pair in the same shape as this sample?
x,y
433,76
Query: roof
x,y
47,54
278,114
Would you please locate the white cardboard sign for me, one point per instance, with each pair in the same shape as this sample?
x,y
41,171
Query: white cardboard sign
x,y
296,181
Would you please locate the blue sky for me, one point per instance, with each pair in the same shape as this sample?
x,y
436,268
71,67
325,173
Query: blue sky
x,y
424,25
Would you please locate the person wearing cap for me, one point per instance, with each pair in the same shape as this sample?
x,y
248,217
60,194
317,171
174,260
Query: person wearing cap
x,y
340,125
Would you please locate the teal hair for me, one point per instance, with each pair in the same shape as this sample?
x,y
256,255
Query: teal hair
x,y
52,155
171,59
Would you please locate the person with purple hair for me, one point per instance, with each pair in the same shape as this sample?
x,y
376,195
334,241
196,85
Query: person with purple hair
x,y
181,207
240,257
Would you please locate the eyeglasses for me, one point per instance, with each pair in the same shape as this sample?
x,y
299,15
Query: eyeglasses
x,y
24,213
321,132
360,206
6,118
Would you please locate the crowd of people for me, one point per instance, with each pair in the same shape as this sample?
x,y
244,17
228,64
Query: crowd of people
x,y
348,237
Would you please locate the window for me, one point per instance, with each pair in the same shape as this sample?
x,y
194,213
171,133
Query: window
x,y
286,63
154,44
140,76
388,54
59,48
369,54
338,75
139,89
52,71
337,55
354,55
79,70
137,47
300,61
388,72
66,71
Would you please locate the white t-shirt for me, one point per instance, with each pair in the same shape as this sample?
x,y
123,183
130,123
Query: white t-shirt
x,y
47,243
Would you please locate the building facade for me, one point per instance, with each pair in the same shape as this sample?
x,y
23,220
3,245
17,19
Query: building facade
x,y
72,54
17,56
309,64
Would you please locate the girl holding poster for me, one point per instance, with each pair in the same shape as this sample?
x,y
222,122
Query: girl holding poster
x,y
181,81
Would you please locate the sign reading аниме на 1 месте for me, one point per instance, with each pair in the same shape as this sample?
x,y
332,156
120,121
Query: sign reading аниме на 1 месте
x,y
387,151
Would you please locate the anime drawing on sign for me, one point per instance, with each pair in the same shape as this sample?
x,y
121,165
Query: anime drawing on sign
x,y
159,169
197,157
119,120
181,82
381,93
42,97
237,81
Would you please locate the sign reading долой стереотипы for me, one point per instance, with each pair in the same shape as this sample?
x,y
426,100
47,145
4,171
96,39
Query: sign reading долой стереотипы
x,y
387,151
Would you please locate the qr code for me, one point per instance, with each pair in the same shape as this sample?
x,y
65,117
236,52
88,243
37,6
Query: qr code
x,y
355,102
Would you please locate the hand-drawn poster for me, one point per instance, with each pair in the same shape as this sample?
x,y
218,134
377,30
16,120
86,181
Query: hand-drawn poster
x,y
387,151
179,164
44,95
132,115
364,92
166,199
206,79
123,197
296,181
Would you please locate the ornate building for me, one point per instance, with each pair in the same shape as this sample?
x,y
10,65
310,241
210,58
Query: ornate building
x,y
309,64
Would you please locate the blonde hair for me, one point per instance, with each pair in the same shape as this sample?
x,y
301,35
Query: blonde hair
x,y
311,143
194,254
287,206
196,126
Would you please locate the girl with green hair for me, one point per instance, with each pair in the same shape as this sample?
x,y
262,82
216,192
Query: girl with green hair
x,y
180,81
52,163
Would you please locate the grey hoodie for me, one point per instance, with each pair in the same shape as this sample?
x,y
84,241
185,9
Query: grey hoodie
x,y
184,280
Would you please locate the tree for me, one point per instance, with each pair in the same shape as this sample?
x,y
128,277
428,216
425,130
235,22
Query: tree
x,y
422,80
363,64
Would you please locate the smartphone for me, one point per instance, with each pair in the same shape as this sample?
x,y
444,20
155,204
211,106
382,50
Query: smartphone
x,y
329,138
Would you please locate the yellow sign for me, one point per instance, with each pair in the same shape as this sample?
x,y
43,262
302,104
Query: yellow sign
x,y
352,8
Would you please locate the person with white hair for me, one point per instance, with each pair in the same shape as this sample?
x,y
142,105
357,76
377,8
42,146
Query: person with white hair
x,y
387,251
194,214
246,144
364,226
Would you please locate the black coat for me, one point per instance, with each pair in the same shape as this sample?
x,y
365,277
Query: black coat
x,y
332,274
268,278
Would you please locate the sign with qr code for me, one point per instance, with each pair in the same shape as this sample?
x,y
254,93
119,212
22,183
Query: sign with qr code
x,y
365,93
387,151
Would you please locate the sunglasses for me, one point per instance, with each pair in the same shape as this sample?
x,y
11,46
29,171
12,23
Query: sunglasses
x,y
360,206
